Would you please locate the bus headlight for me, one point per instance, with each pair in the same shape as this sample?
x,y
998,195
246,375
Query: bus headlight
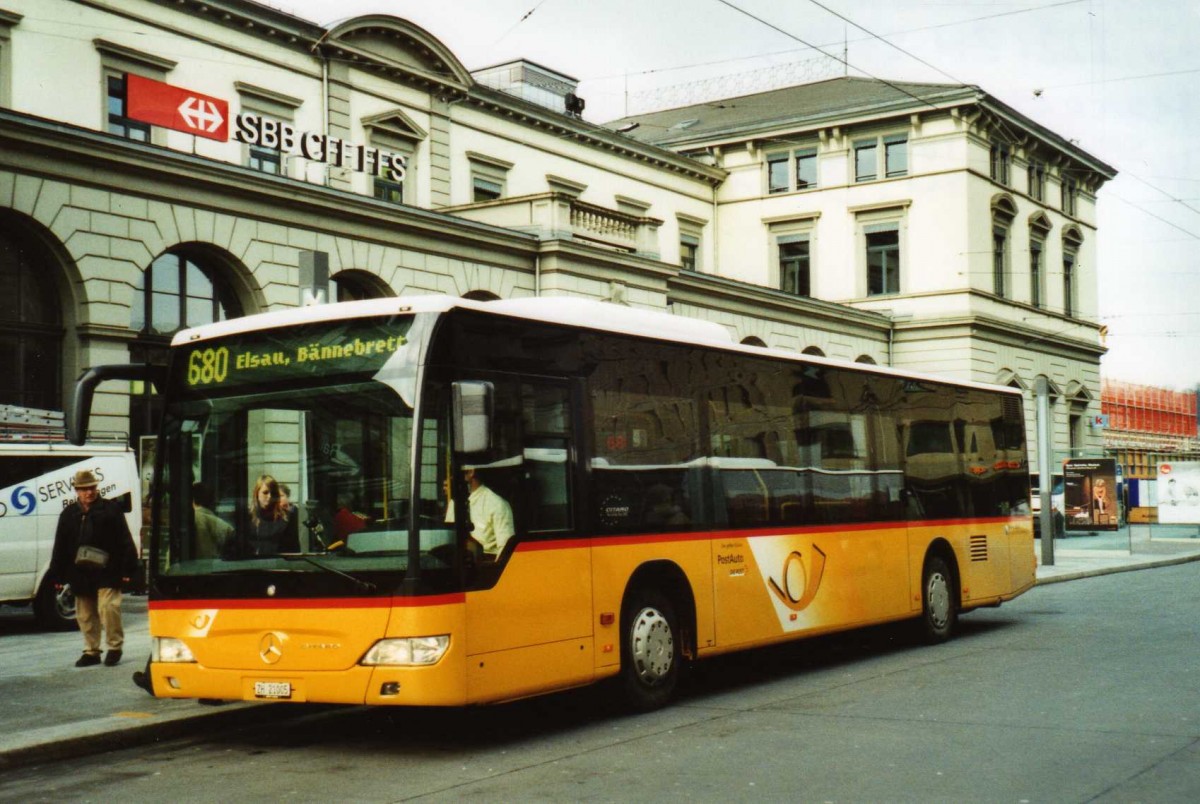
x,y
407,651
170,649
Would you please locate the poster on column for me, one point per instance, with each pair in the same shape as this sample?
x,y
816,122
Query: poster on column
x,y
1179,493
1090,494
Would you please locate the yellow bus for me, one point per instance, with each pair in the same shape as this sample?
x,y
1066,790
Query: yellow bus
x,y
492,500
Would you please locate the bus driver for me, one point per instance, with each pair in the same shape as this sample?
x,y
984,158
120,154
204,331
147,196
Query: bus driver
x,y
491,515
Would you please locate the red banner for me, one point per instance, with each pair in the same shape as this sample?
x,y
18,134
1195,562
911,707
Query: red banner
x,y
176,108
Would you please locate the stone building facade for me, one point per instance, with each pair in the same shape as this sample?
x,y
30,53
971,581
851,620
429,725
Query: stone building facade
x,y
303,162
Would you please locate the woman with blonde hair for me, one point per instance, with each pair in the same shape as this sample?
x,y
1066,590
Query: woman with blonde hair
x,y
270,529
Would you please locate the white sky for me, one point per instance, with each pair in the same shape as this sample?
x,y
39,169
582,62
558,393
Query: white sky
x,y
1118,76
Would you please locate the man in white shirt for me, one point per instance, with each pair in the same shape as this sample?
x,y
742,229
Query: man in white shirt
x,y
491,516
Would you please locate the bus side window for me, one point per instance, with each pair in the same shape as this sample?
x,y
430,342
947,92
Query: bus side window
x,y
546,451
647,463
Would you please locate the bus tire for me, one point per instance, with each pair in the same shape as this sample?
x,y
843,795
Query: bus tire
x,y
54,609
939,610
650,650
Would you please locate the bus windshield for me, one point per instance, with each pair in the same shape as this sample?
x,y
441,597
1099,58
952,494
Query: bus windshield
x,y
304,470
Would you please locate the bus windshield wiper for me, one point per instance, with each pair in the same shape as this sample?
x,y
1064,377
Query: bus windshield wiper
x,y
359,583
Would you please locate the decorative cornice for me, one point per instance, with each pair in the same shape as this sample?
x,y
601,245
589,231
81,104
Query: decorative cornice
x,y
127,53
268,95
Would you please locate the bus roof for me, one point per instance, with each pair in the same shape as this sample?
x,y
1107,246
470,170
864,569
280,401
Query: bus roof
x,y
569,311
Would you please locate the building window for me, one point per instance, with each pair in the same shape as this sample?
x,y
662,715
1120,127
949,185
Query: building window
x,y
1036,248
355,285
689,252
895,155
118,123
31,335
806,169
1071,243
1001,161
1069,283
883,261
176,292
795,265
489,177
265,160
485,189
999,260
1037,181
691,235
389,191
1069,192
397,138
777,173
1004,211
116,62
792,170
267,104
865,162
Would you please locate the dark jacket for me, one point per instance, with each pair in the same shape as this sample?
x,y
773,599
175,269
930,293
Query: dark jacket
x,y
103,526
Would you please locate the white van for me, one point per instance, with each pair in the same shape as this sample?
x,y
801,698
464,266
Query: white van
x,y
1057,503
36,483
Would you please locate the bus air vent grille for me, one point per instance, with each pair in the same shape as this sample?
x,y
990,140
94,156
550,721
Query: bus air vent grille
x,y
979,548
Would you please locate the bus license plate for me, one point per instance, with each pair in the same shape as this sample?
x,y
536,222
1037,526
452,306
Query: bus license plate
x,y
272,689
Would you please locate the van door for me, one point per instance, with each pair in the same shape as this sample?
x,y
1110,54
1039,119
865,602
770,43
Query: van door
x,y
19,537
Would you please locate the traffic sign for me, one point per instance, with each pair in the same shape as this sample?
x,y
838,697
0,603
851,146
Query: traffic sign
x,y
160,104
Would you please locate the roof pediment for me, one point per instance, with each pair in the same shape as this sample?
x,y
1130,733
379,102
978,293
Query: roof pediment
x,y
399,45
396,123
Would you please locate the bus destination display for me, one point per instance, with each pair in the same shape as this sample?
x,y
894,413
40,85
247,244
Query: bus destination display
x,y
356,347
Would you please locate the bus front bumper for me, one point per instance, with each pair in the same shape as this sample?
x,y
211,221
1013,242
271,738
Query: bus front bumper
x,y
437,685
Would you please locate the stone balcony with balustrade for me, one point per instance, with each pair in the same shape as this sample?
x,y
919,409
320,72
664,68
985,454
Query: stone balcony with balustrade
x,y
562,216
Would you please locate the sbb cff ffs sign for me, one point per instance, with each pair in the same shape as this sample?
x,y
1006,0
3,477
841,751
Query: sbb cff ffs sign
x,y
176,108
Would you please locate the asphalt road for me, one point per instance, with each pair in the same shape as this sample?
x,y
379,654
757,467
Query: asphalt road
x,y
1080,691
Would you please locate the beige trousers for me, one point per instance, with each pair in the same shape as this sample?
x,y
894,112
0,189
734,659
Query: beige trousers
x,y
102,611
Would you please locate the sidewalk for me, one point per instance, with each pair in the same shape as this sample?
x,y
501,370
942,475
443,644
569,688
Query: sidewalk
x,y
52,710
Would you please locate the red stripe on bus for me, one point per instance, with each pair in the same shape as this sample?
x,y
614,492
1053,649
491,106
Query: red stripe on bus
x,y
311,603
576,543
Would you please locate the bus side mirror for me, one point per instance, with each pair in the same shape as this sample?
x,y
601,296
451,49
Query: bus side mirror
x,y
85,389
472,411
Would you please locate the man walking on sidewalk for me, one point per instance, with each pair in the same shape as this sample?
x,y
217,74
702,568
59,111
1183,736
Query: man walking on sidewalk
x,y
94,553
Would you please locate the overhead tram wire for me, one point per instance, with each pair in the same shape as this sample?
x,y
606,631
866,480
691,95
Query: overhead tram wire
x,y
968,21
934,67
827,54
517,24
892,45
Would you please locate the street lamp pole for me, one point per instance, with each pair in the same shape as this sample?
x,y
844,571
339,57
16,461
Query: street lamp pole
x,y
1045,516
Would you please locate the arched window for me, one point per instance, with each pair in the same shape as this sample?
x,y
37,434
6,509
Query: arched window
x,y
31,333
865,359
181,288
751,340
480,295
176,292
812,350
354,285
1004,210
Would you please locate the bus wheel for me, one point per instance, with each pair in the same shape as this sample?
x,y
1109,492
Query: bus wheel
x,y
53,608
650,655
939,610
